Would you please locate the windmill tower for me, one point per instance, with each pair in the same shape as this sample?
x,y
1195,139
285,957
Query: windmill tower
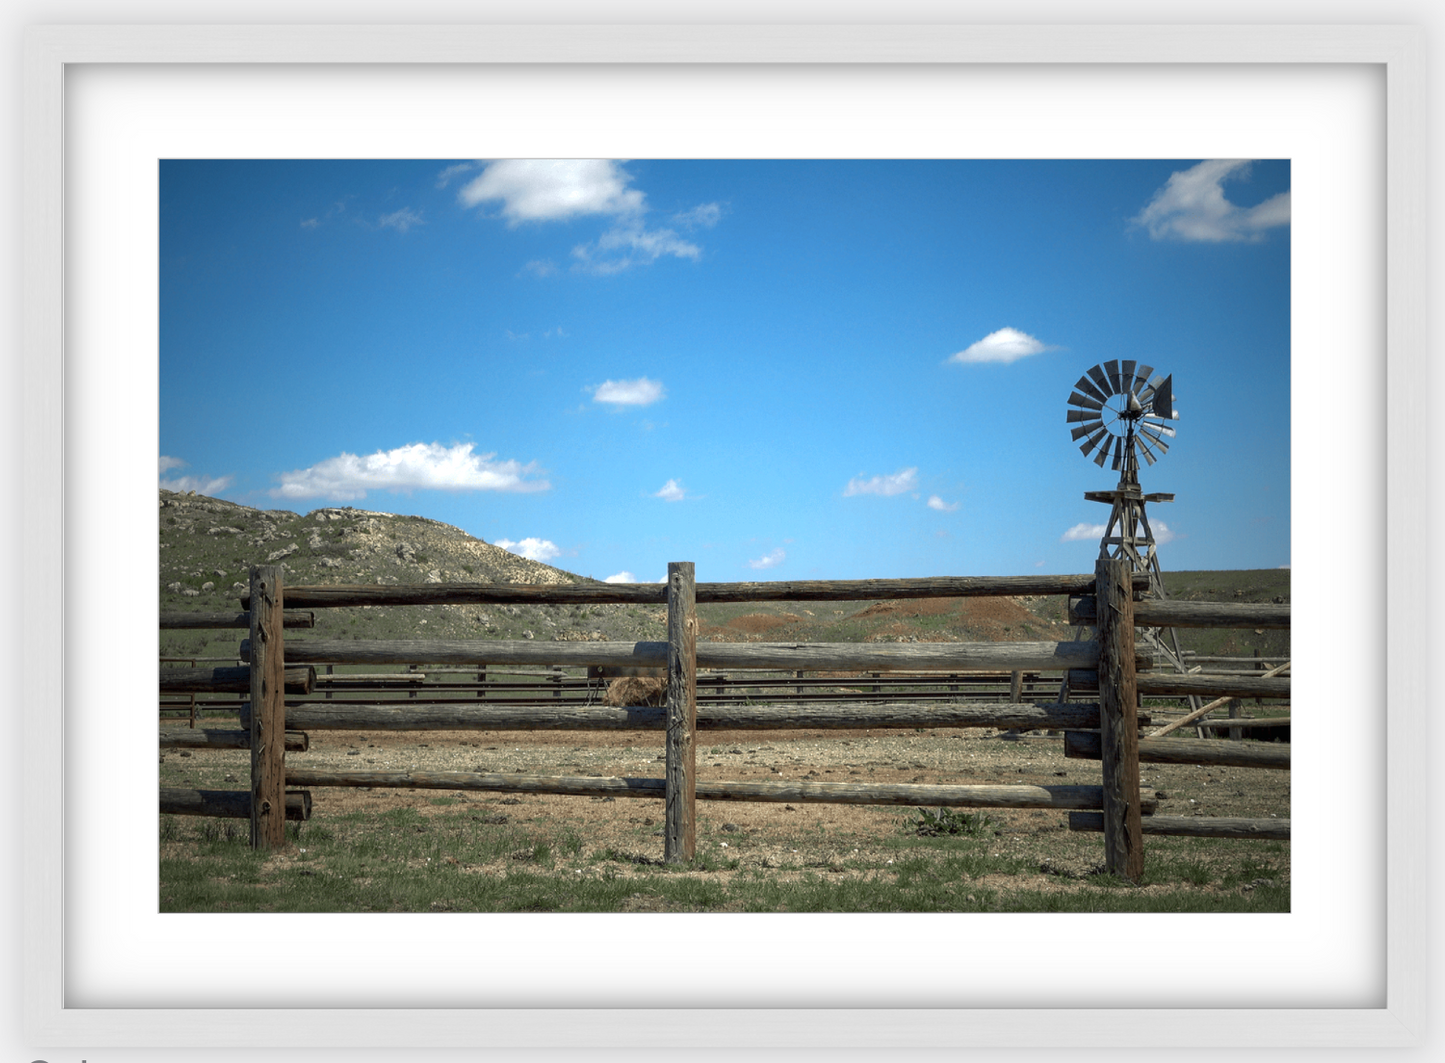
x,y
1120,411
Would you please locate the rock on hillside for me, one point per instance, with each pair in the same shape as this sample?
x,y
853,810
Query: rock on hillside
x,y
207,546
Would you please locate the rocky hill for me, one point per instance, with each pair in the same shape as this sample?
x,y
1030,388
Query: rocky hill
x,y
207,546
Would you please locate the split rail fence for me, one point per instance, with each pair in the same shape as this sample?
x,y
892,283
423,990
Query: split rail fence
x,y
1112,666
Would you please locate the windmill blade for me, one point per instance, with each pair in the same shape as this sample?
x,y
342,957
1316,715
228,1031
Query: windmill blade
x,y
1127,377
1103,454
1111,368
1089,389
1141,378
1099,378
1093,440
1149,458
1158,429
1085,429
1159,442
1083,400
1082,415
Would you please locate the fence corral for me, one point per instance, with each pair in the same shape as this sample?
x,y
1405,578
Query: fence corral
x,y
1111,667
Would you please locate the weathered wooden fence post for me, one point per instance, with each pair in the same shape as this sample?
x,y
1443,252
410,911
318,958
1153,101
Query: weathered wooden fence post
x,y
1119,720
268,710
680,828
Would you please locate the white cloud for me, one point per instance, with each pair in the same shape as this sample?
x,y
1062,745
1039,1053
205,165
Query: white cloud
x,y
445,177
202,485
702,216
310,223
1006,345
1192,206
400,220
417,465
540,267
772,559
631,245
554,189
1078,532
532,549
901,481
934,502
621,577
542,190
1095,532
639,392
672,491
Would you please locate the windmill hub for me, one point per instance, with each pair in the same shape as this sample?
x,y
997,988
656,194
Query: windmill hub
x,y
1120,411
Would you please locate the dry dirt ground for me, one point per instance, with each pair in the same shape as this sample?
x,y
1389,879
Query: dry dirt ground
x,y
787,839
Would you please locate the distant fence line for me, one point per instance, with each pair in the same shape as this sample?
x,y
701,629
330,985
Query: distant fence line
x,y
1107,730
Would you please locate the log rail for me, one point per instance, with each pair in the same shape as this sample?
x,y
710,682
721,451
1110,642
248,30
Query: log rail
x,y
1111,600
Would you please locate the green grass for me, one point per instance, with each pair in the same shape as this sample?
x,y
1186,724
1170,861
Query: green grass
x,y
405,861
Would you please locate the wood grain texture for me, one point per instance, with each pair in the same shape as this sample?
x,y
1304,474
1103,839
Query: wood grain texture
x,y
296,741
195,621
778,656
1208,751
319,716
268,717
680,812
342,595
921,795
1172,684
1194,826
1154,612
226,804
299,679
1118,721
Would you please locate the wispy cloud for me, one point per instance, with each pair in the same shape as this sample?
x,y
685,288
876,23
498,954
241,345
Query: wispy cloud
x,y
445,177
934,502
1092,532
901,481
532,549
541,267
416,466
202,485
772,559
639,392
672,491
1006,345
1192,206
547,190
401,220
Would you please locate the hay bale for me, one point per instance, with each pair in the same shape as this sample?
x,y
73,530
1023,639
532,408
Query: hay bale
x,y
635,690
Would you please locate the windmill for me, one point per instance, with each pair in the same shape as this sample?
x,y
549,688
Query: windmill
x,y
1121,410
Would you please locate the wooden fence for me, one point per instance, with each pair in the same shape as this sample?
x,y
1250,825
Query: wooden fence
x,y
1107,729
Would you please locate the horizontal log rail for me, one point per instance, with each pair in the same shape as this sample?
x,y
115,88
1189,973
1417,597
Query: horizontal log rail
x,y
1194,826
350,595
1245,721
197,621
1171,684
296,741
913,794
228,804
798,656
300,679
1166,612
327,716
1084,746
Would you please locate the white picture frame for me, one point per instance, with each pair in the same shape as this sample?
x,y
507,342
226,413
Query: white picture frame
x,y
1398,51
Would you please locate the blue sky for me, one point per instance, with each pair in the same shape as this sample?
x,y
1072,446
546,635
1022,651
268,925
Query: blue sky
x,y
775,369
